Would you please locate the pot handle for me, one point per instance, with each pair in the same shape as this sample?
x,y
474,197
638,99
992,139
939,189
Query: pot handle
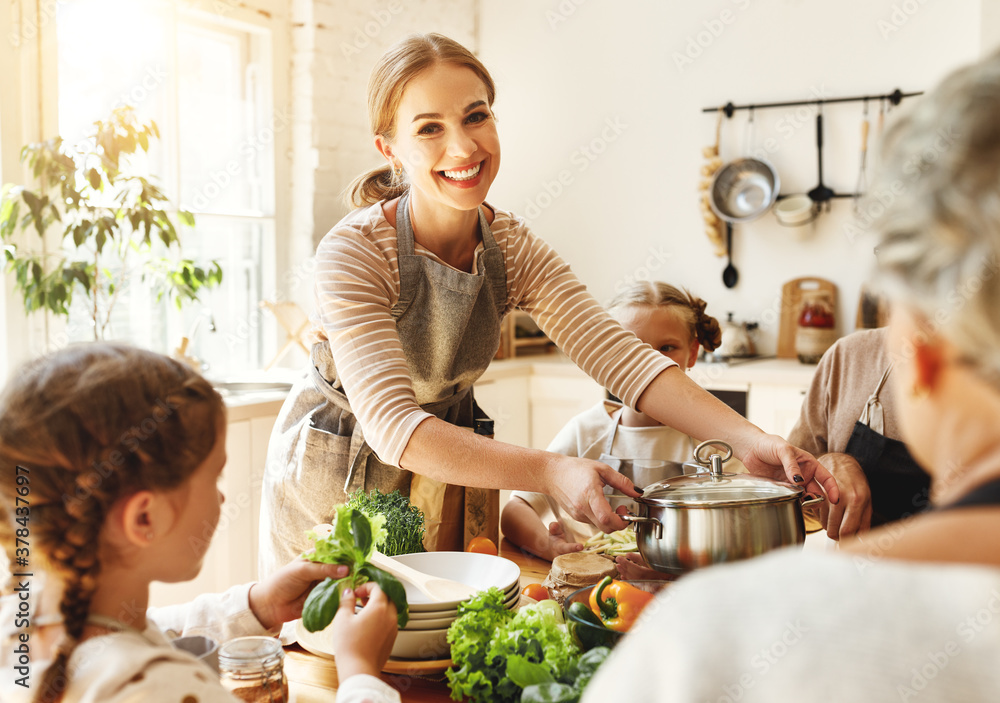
x,y
657,525
814,500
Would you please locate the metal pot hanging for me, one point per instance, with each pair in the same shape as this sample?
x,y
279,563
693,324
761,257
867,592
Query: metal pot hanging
x,y
697,520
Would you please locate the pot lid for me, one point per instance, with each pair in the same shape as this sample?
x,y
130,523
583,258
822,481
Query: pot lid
x,y
715,489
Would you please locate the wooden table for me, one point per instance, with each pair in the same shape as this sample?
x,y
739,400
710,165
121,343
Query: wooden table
x,y
313,679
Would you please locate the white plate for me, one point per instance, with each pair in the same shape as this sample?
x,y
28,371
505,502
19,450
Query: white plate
x,y
421,644
510,601
422,614
481,571
409,644
444,620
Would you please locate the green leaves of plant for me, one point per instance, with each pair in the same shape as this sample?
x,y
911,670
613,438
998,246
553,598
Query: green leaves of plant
x,y
321,605
108,212
392,588
362,534
351,543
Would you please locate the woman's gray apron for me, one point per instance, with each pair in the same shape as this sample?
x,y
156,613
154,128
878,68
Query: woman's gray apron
x,y
448,323
899,487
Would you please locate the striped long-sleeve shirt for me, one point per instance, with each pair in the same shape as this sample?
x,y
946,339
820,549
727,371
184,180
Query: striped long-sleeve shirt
x,y
357,283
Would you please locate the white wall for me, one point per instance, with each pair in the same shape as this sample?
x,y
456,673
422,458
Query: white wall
x,y
567,69
335,46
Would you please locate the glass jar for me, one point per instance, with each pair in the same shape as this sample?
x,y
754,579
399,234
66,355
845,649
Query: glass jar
x,y
815,332
252,669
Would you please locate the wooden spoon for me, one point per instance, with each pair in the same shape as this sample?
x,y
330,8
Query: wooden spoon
x,y
434,587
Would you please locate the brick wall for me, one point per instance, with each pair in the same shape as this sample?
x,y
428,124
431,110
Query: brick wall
x,y
334,44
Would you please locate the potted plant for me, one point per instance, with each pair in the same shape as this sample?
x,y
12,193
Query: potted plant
x,y
112,222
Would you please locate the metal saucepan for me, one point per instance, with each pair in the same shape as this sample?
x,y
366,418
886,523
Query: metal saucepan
x,y
643,472
693,521
744,189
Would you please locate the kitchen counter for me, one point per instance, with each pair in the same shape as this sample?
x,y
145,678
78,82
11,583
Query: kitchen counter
x,y
708,374
533,397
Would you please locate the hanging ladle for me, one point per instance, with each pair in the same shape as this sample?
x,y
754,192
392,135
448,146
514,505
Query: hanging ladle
x,y
729,274
821,193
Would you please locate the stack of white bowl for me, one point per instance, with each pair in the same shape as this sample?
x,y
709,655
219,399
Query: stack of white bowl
x,y
425,635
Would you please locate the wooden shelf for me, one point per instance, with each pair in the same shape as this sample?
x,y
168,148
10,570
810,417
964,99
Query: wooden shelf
x,y
510,343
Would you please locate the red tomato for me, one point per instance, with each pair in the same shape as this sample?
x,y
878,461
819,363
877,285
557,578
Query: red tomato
x,y
536,591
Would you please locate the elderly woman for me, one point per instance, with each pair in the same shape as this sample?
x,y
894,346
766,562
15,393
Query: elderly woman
x,y
910,610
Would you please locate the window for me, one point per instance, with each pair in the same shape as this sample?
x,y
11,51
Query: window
x,y
205,79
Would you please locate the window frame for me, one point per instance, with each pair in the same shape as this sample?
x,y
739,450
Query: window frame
x,y
32,115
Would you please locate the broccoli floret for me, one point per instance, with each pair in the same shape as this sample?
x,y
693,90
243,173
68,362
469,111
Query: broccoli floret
x,y
404,522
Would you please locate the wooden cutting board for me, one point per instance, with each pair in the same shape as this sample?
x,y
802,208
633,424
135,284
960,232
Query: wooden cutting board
x,y
791,302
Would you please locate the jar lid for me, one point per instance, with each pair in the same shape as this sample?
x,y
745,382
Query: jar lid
x,y
250,651
714,489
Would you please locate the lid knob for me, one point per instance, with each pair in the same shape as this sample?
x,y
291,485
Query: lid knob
x,y
713,462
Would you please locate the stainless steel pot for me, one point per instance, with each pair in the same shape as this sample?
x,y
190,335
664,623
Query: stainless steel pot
x,y
693,521
643,472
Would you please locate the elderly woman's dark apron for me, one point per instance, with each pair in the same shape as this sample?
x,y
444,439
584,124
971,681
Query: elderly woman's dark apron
x,y
899,486
448,322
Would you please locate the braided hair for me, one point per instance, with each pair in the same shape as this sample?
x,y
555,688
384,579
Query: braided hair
x,y
703,327
93,424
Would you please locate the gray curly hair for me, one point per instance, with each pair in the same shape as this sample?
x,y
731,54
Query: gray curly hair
x,y
939,232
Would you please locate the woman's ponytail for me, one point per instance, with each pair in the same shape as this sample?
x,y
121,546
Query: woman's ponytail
x,y
374,186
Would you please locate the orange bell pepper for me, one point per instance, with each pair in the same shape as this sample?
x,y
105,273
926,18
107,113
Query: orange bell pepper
x,y
618,603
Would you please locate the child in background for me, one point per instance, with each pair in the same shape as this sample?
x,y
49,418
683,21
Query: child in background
x,y
123,449
670,320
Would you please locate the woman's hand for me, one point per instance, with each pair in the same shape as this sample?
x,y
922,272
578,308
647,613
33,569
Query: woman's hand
x,y
578,486
853,512
775,458
279,598
363,641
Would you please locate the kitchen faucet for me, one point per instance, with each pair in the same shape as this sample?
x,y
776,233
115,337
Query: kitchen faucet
x,y
180,353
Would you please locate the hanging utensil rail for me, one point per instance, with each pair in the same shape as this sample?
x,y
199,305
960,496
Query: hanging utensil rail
x,y
895,97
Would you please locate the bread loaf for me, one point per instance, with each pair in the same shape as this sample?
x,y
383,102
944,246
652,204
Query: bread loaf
x,y
571,572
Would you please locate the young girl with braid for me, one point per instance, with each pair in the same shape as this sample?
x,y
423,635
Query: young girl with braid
x,y
674,323
122,450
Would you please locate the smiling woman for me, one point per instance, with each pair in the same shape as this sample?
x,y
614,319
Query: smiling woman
x,y
412,289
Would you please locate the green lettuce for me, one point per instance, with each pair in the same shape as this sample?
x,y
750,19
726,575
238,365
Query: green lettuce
x,y
500,655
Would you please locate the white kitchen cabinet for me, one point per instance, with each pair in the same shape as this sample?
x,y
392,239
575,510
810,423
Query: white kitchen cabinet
x,y
505,399
531,399
774,408
775,388
558,398
232,557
